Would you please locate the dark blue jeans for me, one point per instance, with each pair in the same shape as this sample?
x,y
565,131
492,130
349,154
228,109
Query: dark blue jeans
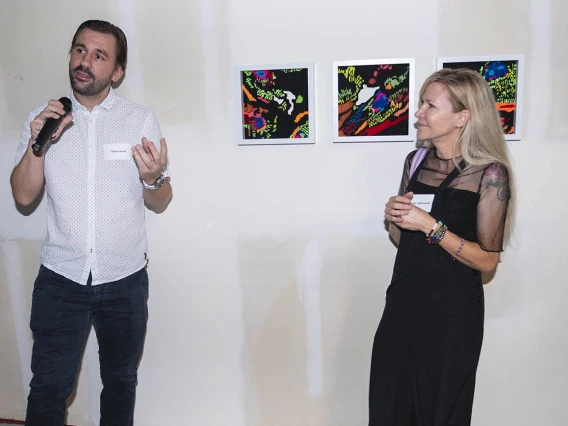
x,y
62,312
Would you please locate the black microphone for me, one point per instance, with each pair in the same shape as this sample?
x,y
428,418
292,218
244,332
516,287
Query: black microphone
x,y
50,126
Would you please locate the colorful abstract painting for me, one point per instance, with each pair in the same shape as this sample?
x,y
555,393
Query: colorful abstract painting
x,y
373,100
504,74
276,105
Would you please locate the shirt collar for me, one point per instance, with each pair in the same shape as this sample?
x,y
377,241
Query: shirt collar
x,y
106,104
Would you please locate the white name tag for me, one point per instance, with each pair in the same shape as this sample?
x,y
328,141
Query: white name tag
x,y
117,151
424,201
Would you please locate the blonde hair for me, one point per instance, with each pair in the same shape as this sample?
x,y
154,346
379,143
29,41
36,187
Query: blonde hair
x,y
481,141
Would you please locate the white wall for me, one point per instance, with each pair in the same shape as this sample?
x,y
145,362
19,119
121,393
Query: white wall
x,y
269,269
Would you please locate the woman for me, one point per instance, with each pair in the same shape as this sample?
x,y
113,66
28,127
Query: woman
x,y
428,342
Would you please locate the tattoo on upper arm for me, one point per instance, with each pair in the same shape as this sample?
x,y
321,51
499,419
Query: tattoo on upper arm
x,y
498,177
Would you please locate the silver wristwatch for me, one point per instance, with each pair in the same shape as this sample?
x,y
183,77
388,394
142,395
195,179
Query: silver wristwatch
x,y
159,182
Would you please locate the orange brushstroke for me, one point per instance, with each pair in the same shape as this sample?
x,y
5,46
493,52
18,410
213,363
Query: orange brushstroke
x,y
295,132
345,107
361,128
299,116
507,107
396,114
342,119
247,93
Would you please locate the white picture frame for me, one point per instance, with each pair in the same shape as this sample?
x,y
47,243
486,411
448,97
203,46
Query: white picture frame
x,y
272,108
365,109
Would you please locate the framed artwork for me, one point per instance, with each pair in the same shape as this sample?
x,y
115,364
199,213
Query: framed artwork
x,y
373,100
505,76
275,104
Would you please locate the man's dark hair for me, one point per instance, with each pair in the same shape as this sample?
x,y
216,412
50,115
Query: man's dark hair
x,y
106,28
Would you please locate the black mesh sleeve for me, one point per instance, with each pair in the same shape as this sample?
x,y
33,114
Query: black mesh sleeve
x,y
492,208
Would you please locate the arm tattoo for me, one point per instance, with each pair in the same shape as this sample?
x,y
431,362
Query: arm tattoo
x,y
498,177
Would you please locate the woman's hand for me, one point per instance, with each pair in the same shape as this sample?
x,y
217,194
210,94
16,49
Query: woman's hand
x,y
397,207
400,211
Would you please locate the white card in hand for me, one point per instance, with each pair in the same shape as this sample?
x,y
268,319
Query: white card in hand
x,y
424,201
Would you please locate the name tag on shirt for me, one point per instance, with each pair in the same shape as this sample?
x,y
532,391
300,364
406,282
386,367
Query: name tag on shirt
x,y
117,151
424,201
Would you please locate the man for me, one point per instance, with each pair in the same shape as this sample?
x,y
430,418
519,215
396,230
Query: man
x,y
99,170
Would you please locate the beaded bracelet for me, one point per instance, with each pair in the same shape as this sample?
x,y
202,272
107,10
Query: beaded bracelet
x,y
455,256
438,235
434,228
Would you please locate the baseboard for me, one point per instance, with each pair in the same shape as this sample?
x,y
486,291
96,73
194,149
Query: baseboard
x,y
14,422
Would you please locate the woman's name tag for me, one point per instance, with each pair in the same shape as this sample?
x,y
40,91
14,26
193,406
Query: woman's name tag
x,y
424,201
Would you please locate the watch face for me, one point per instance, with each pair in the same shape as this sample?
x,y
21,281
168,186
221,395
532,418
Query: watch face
x,y
159,182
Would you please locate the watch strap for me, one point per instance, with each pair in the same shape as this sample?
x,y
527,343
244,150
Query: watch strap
x,y
159,182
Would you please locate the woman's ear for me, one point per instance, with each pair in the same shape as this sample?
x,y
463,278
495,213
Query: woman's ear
x,y
463,118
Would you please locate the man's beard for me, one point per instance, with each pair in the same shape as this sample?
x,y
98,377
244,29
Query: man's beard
x,y
88,89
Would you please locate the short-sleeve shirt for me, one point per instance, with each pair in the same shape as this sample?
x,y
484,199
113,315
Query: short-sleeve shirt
x,y
95,205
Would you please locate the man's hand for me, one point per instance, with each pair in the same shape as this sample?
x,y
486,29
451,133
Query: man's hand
x,y
54,109
27,177
149,161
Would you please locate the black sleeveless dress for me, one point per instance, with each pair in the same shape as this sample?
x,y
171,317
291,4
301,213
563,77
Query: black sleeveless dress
x,y
427,345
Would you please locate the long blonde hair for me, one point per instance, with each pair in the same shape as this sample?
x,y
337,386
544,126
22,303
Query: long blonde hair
x,y
481,141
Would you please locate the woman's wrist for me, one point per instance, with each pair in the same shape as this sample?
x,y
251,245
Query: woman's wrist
x,y
437,233
430,226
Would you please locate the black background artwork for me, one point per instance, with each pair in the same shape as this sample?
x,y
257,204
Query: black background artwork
x,y
271,113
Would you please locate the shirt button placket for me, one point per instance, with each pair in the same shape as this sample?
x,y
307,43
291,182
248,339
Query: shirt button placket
x,y
91,181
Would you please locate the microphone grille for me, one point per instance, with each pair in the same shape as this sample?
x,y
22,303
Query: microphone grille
x,y
67,106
